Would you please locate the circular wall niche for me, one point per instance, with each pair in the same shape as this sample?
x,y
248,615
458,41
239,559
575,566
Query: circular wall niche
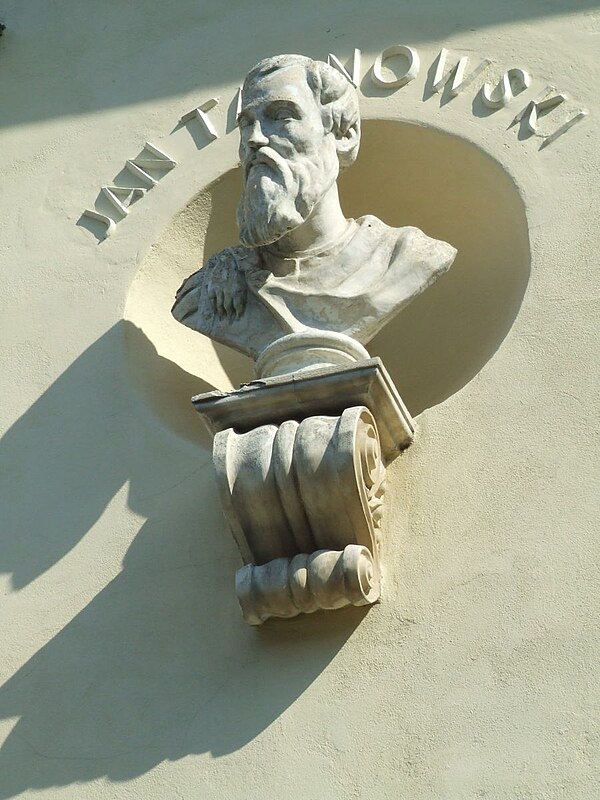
x,y
406,175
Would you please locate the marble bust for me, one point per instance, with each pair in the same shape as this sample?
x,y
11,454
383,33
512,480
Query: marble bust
x,y
300,453
303,269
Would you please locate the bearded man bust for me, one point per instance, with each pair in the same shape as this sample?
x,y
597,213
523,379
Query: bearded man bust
x,y
302,265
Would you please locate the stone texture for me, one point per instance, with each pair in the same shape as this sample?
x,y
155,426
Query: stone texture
x,y
301,473
326,579
324,391
300,488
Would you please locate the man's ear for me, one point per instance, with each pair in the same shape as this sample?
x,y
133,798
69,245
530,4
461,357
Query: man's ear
x,y
346,144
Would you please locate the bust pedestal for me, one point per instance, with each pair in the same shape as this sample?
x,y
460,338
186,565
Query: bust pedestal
x,y
300,462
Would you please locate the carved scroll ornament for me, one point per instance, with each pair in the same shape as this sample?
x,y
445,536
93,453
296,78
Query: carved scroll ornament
x,y
304,497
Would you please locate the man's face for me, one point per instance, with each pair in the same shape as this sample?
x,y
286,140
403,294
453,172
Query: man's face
x,y
288,158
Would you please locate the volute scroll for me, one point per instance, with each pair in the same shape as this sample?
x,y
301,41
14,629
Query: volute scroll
x,y
304,496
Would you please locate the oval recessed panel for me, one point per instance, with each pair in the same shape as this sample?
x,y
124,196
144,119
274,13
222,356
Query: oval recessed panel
x,y
406,175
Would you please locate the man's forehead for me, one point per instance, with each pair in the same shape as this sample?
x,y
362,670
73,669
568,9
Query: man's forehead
x,y
286,83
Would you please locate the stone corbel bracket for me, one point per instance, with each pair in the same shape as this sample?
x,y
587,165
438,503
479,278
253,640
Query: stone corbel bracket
x,y
300,463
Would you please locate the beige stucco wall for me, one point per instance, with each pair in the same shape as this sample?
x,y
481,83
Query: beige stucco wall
x,y
126,669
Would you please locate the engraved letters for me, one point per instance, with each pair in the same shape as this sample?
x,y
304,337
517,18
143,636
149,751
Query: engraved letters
x,y
354,78
201,114
459,81
139,165
512,83
401,80
121,197
452,80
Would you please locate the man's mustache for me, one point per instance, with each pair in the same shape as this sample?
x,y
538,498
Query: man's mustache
x,y
272,202
269,157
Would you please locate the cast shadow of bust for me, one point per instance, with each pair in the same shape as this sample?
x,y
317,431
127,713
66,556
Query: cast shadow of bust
x,y
159,665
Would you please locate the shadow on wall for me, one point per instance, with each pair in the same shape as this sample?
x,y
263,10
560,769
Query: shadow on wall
x,y
159,665
69,454
111,54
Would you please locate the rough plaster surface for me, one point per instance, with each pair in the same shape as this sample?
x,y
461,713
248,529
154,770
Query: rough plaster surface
x,y
126,669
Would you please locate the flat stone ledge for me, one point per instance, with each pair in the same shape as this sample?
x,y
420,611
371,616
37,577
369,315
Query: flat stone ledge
x,y
324,391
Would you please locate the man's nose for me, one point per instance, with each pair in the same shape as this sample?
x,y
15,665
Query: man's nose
x,y
256,137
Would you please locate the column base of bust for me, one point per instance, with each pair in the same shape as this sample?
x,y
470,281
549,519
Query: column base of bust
x,y
300,463
325,579
307,350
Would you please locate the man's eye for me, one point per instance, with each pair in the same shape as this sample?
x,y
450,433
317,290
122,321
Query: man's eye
x,y
283,113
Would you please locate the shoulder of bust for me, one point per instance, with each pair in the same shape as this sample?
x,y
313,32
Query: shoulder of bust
x,y
410,239
374,227
371,221
238,257
424,246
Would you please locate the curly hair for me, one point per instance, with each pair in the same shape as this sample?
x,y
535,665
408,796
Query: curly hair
x,y
335,95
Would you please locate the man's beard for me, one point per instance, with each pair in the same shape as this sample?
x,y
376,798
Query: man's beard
x,y
279,195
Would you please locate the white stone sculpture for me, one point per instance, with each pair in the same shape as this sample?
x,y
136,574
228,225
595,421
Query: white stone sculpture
x,y
300,453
